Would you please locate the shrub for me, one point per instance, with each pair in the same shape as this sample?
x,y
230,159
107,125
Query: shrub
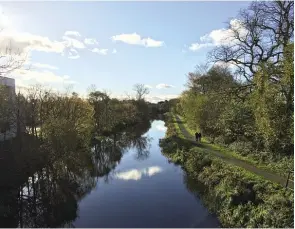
x,y
239,199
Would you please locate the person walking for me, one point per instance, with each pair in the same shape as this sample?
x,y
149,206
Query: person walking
x,y
200,137
197,136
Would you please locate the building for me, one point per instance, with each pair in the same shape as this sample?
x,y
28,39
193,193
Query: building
x,y
8,125
9,83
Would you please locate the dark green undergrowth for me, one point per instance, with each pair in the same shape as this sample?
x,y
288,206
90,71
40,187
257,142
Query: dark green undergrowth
x,y
237,197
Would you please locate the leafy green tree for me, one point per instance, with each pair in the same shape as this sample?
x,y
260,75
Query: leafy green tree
x,y
273,103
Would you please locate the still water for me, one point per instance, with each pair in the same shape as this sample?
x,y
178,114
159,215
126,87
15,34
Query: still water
x,y
144,193
119,181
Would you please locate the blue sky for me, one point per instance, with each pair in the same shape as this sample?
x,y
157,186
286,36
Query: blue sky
x,y
131,42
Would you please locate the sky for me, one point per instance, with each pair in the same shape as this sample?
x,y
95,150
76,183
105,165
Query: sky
x,y
113,45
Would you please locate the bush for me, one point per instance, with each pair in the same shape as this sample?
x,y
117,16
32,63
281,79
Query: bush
x,y
243,148
239,198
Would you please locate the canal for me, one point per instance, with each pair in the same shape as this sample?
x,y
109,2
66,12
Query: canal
x,y
118,181
149,192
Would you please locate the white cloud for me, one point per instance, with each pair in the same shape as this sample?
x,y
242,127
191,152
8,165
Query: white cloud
x,y
219,36
48,66
90,41
148,86
133,174
73,54
100,51
114,51
72,33
135,39
148,42
66,77
153,170
163,85
72,42
161,127
23,42
136,174
15,43
44,76
197,46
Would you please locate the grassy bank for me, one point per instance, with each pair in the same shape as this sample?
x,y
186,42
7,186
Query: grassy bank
x,y
281,167
239,198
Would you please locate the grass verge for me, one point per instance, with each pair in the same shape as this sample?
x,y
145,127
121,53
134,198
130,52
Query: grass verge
x,y
239,198
281,168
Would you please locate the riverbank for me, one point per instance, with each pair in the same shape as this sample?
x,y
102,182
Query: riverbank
x,y
238,197
232,158
280,168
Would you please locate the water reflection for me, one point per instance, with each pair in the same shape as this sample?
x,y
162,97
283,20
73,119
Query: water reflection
x,y
108,151
42,184
136,174
161,127
199,191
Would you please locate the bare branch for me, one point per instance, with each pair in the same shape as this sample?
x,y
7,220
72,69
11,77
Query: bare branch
x,y
265,29
140,91
10,60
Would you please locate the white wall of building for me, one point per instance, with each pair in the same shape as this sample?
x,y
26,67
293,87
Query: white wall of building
x,y
8,82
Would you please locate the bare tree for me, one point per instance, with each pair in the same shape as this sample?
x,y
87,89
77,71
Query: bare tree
x,y
10,60
258,36
91,88
127,96
140,91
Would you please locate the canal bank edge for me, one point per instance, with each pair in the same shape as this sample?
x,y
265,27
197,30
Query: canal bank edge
x,y
238,197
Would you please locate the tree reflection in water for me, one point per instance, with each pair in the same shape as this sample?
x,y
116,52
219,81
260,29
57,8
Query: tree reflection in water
x,y
41,187
200,191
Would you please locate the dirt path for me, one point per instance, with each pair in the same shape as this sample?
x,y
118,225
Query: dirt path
x,y
251,168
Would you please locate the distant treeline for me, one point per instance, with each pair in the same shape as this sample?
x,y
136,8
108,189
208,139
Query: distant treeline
x,y
63,144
